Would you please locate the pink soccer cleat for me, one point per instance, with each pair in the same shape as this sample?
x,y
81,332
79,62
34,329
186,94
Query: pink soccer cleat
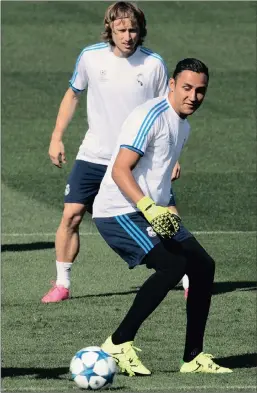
x,y
56,294
186,293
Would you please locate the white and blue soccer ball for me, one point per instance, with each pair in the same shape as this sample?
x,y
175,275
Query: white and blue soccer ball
x,y
92,368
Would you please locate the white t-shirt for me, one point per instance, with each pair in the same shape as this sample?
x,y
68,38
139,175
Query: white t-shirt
x,y
115,87
157,133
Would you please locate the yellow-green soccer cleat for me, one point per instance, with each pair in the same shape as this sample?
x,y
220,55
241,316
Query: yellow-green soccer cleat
x,y
126,357
203,363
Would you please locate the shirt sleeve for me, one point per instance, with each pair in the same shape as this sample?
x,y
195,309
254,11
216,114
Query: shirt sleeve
x,y
79,79
162,80
140,127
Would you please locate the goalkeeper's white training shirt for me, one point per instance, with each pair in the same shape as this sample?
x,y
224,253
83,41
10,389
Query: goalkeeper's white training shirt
x,y
115,87
157,133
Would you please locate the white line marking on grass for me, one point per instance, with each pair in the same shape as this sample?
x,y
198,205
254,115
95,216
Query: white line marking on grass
x,y
202,387
42,234
224,232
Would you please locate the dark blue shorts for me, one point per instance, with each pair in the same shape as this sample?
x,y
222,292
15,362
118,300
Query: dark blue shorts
x,y
132,237
84,182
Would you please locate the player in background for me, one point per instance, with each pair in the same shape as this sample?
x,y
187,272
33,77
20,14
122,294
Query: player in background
x,y
119,74
132,213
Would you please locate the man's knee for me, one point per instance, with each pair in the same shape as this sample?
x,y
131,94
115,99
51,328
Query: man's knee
x,y
198,258
208,266
73,214
165,261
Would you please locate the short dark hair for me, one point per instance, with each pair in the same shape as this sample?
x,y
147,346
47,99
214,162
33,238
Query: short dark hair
x,y
124,9
191,64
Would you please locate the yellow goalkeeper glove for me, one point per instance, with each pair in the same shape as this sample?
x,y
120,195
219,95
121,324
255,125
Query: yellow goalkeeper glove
x,y
163,222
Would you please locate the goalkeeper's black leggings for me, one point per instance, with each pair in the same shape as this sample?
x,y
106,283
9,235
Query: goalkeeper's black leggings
x,y
171,260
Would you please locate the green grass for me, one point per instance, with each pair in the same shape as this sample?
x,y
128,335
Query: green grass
x,y
216,194
40,340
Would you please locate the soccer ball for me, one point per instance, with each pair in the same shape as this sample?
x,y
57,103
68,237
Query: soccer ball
x,y
92,368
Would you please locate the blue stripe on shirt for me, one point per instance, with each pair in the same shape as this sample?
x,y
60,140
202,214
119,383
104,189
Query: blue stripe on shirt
x,y
146,119
133,149
101,45
151,53
147,124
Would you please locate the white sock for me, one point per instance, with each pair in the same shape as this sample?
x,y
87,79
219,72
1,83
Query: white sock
x,y
63,273
185,282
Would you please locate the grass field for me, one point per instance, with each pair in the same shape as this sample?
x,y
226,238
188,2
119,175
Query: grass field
x,y
216,196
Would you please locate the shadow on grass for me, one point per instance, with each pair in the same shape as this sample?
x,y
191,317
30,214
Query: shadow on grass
x,y
229,286
219,287
247,360
43,373
105,294
50,373
27,246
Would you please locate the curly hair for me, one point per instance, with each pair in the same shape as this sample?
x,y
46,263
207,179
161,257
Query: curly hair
x,y
124,9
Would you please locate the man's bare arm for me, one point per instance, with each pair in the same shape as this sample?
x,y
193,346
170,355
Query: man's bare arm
x,y
66,111
125,162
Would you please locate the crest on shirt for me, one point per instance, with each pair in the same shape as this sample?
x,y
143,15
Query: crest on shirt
x,y
151,232
103,76
67,190
140,79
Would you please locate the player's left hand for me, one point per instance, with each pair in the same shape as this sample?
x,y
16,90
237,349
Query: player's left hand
x,y
176,172
163,220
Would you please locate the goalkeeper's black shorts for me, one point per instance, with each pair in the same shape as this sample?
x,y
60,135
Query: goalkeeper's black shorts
x,y
132,237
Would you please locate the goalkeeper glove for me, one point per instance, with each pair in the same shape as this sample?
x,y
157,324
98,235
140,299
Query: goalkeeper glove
x,y
165,223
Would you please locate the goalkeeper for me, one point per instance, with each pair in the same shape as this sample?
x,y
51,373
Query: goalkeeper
x,y
133,214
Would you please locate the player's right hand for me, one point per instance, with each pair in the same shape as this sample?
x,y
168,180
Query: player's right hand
x,y
57,153
163,222
176,172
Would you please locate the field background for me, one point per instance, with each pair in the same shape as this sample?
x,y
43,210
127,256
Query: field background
x,y
216,196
